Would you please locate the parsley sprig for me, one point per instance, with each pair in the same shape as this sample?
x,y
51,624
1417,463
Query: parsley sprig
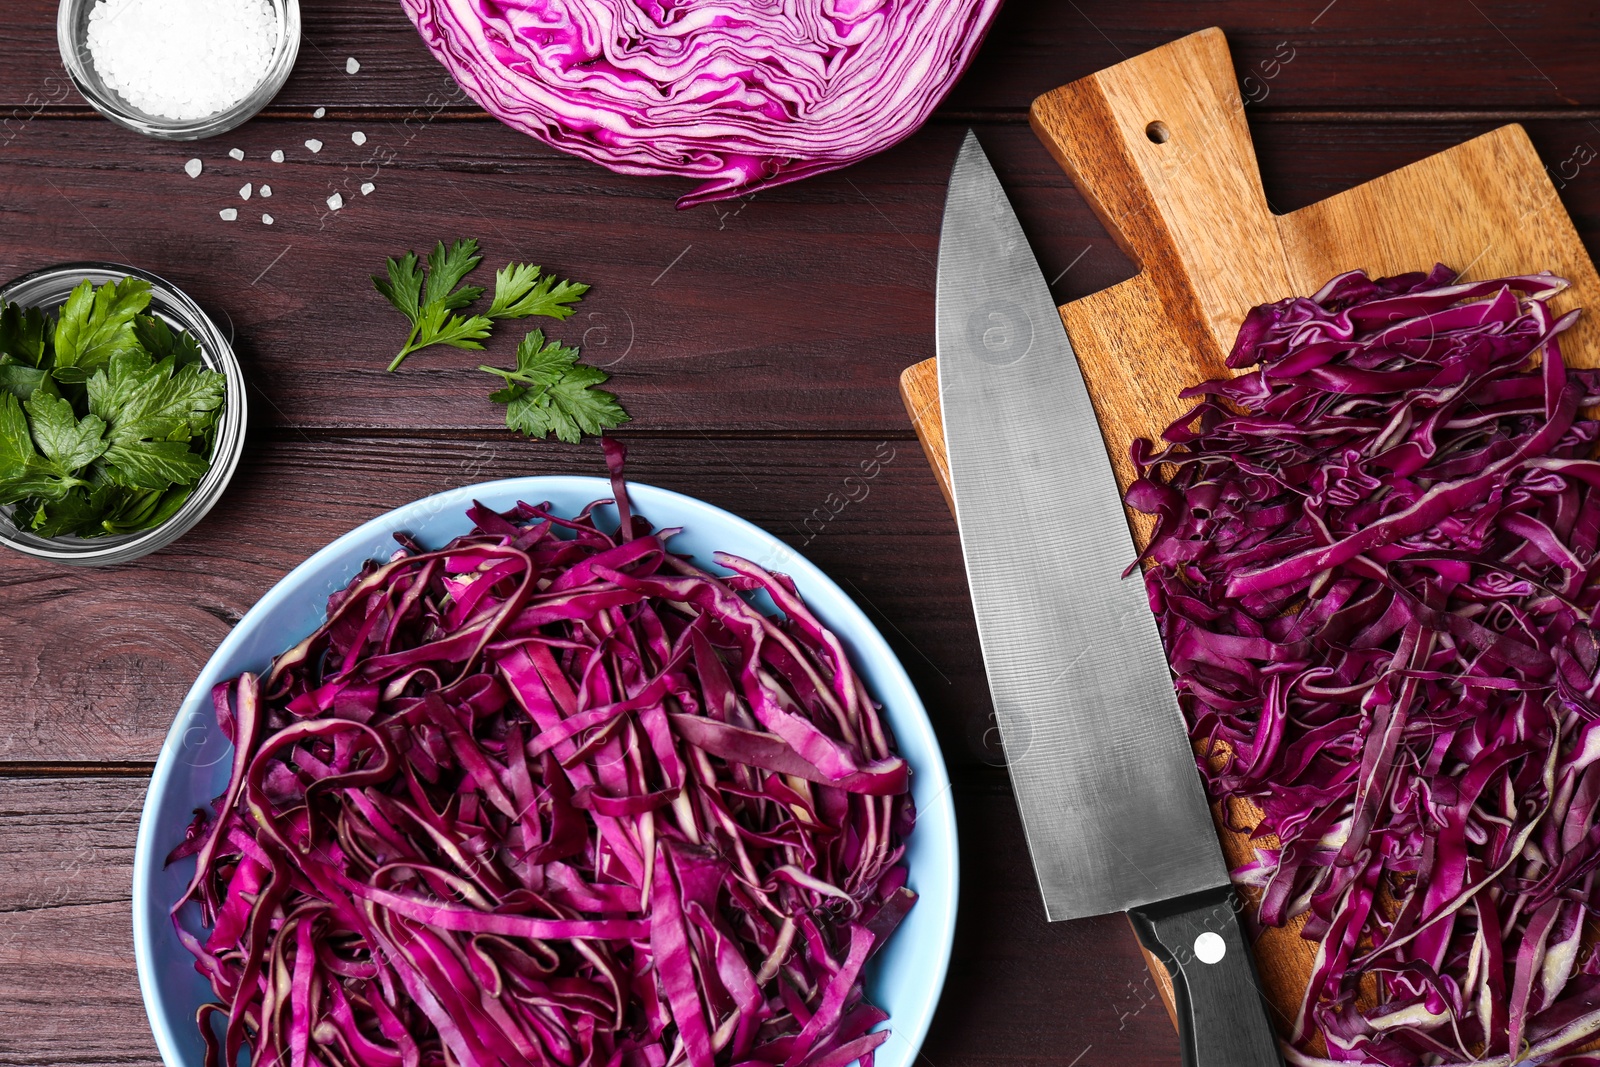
x,y
106,415
520,290
549,391
430,300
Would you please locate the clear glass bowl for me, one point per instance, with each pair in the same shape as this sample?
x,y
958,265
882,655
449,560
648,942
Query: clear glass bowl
x,y
72,28
48,289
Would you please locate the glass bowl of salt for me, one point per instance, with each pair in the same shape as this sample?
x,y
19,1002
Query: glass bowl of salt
x,y
179,69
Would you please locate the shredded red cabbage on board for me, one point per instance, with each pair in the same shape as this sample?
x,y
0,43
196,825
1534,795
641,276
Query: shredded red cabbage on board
x,y
1375,565
739,94
554,797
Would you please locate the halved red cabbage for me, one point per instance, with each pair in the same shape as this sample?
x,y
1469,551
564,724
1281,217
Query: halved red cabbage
x,y
739,94
1375,564
552,797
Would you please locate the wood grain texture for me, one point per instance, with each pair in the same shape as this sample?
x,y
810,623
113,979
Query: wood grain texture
x,y
106,655
1019,988
67,989
759,368
1356,53
793,313
1160,148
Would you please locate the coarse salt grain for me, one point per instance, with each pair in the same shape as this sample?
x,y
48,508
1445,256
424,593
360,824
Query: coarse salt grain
x,y
321,111
351,66
244,191
358,137
277,155
236,153
193,168
336,201
366,188
266,220
266,190
314,144
228,214
182,59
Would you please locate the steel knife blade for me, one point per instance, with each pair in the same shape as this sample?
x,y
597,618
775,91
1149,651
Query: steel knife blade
x,y
1111,800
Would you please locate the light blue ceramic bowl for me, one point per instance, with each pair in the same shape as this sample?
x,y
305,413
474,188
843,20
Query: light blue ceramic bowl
x,y
905,978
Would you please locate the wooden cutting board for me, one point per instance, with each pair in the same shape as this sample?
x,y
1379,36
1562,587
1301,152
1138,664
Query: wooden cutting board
x,y
1160,148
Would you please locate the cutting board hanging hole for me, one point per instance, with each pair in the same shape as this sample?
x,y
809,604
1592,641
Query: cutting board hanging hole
x,y
1157,132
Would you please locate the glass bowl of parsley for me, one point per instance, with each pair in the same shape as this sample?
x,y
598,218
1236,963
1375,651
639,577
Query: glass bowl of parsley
x,y
122,413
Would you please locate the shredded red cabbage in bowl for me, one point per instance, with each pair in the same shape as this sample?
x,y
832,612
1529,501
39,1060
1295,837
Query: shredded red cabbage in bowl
x,y
551,796
738,94
1375,564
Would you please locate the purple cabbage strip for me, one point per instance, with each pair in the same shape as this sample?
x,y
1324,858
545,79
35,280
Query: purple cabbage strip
x,y
1376,564
553,797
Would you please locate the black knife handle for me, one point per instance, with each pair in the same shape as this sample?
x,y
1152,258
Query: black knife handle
x,y
1222,1020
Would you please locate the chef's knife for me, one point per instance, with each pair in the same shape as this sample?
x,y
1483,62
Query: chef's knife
x,y
1103,771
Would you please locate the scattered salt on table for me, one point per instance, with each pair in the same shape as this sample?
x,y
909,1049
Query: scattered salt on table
x,y
266,220
351,66
367,187
266,190
244,191
182,59
321,111
336,201
229,214
358,137
193,168
314,144
277,155
236,153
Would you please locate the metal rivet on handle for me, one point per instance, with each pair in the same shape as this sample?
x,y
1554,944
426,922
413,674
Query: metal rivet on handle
x,y
1210,948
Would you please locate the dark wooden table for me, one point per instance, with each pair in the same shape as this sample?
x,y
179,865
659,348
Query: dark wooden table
x,y
756,344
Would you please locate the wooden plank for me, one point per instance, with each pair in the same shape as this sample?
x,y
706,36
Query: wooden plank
x,y
68,994
754,320
749,320
104,656
1021,991
1349,54
1356,53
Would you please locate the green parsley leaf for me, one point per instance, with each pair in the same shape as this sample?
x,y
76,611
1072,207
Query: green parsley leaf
x,y
70,443
24,335
78,511
151,411
154,464
551,392
427,301
442,328
109,509
159,340
23,471
167,505
131,460
520,290
446,271
404,287
20,380
97,324
16,444
139,399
